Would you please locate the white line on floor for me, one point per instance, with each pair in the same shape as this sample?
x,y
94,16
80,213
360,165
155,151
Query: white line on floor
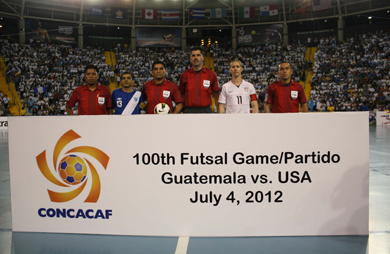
x,y
182,245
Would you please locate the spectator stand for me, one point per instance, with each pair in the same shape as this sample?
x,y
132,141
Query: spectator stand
x,y
49,73
349,75
352,75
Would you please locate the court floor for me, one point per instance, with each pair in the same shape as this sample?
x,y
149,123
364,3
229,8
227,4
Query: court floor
x,y
378,241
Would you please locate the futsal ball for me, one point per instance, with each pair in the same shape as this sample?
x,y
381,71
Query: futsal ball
x,y
73,169
162,108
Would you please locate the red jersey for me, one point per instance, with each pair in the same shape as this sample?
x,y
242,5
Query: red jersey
x,y
198,87
285,98
91,102
166,92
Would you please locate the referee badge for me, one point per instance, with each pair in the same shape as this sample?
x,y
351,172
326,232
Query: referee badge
x,y
101,100
206,83
166,94
294,94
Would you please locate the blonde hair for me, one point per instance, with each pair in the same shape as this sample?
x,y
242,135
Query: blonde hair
x,y
236,60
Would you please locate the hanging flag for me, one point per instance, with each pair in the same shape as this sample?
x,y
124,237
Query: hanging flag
x,y
321,5
148,14
246,12
269,10
218,13
301,8
118,13
170,14
96,11
197,13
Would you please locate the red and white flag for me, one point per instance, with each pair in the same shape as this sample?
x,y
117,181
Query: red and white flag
x,y
269,10
148,14
170,14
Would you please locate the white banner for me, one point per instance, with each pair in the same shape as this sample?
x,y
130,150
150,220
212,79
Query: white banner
x,y
383,118
3,123
191,175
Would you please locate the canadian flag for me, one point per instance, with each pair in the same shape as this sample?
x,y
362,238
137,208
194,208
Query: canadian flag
x,y
148,13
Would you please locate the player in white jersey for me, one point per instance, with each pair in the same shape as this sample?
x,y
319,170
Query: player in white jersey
x,y
237,95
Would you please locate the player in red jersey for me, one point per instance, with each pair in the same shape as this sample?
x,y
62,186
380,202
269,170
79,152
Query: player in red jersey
x,y
160,90
285,95
93,99
197,84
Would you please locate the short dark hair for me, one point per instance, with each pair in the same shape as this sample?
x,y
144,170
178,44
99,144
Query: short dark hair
x,y
158,62
197,48
91,67
129,73
284,62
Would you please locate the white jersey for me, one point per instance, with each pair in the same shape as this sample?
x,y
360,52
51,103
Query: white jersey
x,y
237,98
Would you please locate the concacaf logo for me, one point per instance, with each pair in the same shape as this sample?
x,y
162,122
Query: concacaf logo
x,y
72,169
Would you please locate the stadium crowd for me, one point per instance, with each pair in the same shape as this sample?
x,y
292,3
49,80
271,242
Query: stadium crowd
x,y
139,62
348,76
353,75
46,74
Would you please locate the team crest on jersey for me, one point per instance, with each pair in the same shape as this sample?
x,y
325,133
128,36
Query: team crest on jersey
x,y
166,94
119,102
246,89
206,83
294,94
101,100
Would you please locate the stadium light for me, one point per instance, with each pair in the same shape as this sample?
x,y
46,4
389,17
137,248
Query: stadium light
x,y
326,20
370,17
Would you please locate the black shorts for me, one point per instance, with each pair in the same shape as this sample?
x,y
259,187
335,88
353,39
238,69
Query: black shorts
x,y
195,110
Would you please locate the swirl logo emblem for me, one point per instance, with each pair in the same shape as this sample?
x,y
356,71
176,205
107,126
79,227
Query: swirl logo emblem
x,y
72,169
